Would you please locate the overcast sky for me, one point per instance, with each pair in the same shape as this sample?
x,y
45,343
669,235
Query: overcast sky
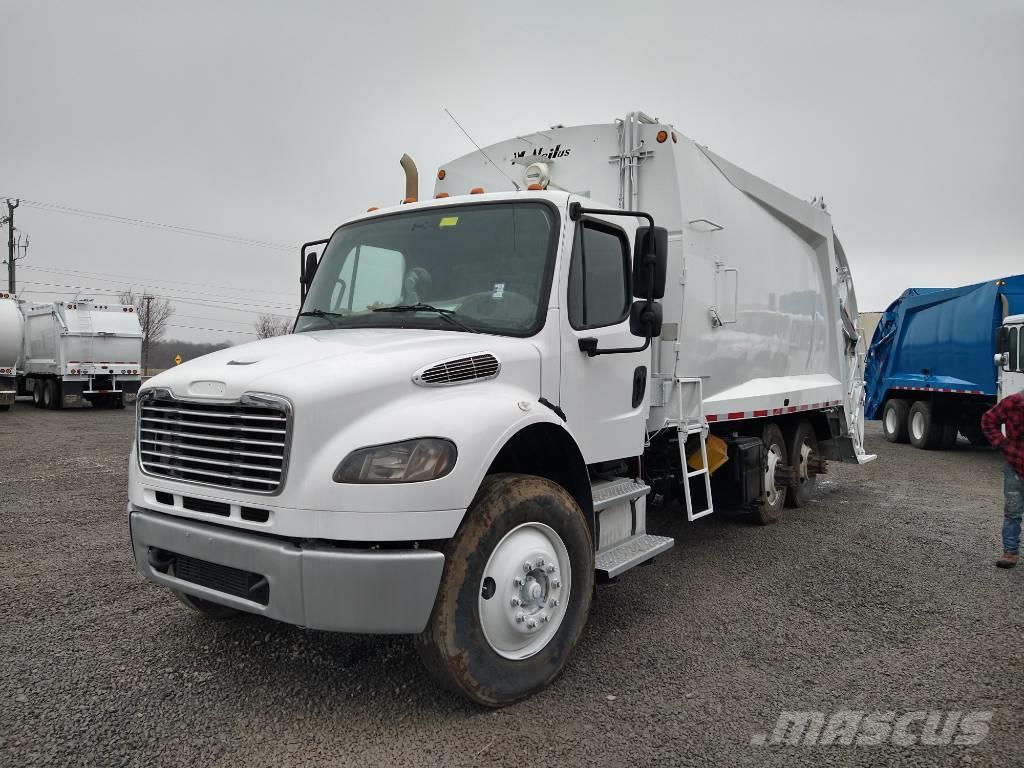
x,y
277,121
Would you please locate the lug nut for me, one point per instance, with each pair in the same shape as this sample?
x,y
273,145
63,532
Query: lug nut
x,y
553,602
516,602
527,566
518,581
550,569
543,618
540,562
532,624
556,584
520,618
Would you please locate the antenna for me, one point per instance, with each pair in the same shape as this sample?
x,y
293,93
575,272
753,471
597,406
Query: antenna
x,y
480,149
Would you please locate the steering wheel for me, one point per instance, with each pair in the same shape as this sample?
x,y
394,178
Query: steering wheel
x,y
509,307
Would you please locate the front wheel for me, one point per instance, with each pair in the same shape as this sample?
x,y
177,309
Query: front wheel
x,y
769,509
515,593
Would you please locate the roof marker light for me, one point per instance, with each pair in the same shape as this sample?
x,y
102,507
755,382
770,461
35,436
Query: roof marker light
x,y
441,174
439,195
535,187
408,200
476,191
662,135
372,209
675,137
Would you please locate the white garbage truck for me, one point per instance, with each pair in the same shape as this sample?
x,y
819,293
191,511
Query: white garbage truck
x,y
484,388
11,324
81,349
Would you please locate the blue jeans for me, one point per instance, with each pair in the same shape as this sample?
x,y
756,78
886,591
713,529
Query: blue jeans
x,y
1013,490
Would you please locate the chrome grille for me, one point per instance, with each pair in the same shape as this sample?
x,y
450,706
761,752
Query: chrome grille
x,y
242,446
459,370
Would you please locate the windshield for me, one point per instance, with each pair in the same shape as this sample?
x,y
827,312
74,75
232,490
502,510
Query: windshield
x,y
485,266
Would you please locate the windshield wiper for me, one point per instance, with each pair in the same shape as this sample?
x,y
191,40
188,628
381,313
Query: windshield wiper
x,y
446,314
328,316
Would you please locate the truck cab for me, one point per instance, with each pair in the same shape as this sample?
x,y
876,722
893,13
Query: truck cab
x,y
1009,359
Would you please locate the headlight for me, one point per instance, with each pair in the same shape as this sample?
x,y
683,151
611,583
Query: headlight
x,y
410,461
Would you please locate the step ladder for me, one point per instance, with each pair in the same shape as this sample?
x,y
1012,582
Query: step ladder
x,y
692,422
627,543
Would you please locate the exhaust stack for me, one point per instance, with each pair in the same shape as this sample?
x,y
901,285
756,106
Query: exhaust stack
x,y
412,180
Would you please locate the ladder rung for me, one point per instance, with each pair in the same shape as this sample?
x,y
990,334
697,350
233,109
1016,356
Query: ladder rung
x,y
697,472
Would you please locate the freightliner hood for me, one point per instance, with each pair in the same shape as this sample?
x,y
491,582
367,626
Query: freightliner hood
x,y
308,366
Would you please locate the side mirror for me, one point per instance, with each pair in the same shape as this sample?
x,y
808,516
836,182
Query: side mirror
x,y
1003,339
650,262
309,270
645,319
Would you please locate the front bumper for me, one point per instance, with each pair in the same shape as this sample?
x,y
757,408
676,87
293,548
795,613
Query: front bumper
x,y
335,589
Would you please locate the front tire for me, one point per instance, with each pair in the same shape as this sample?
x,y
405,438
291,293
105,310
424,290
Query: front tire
x,y
894,421
515,593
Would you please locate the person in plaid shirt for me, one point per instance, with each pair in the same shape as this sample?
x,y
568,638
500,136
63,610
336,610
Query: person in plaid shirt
x,y
1009,412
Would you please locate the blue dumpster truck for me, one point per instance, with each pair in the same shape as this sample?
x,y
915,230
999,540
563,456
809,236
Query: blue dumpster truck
x,y
932,367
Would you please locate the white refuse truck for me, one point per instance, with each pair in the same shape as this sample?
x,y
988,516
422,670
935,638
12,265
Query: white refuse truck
x,y
11,324
482,389
82,349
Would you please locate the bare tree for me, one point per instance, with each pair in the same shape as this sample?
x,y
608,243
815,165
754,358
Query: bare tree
x,y
154,314
272,325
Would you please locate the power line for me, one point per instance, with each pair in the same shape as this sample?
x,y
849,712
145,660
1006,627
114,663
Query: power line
x,y
130,279
169,296
181,230
212,330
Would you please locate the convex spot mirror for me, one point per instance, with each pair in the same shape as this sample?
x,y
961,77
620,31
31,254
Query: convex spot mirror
x,y
648,260
645,319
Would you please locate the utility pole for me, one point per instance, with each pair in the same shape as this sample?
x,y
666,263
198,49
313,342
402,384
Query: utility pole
x,y
145,334
10,243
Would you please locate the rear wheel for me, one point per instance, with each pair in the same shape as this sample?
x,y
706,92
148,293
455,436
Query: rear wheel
x,y
949,435
802,446
926,431
37,393
894,421
770,507
515,592
49,395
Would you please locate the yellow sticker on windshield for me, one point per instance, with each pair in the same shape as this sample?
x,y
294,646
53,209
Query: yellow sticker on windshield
x,y
449,221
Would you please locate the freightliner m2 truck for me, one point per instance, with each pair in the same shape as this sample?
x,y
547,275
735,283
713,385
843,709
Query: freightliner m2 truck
x,y
930,372
11,324
482,389
81,350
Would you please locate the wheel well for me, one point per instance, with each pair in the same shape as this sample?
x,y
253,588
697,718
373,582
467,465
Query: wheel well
x,y
547,450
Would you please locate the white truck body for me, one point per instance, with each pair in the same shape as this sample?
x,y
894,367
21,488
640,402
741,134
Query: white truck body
x,y
11,325
525,404
81,349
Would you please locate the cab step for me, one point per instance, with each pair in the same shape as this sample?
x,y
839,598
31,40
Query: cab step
x,y
607,493
630,553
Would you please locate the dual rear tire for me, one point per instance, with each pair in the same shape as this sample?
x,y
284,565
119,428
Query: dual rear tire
x,y
47,394
917,423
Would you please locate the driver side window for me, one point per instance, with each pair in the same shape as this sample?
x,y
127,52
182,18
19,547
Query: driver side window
x,y
599,291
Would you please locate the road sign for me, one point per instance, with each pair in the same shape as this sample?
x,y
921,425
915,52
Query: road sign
x,y
177,359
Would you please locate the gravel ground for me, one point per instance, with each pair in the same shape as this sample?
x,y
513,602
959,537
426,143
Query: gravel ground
x,y
880,596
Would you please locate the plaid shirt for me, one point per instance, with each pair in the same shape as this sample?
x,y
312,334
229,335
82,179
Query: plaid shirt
x,y
1008,411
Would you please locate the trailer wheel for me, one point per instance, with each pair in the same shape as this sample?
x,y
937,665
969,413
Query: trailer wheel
x,y
802,446
894,420
515,592
769,509
925,430
48,395
37,393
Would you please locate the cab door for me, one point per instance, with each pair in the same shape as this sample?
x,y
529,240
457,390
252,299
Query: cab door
x,y
603,397
1011,376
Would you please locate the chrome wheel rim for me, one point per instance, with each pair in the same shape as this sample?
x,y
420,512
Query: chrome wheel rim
x,y
524,591
805,457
